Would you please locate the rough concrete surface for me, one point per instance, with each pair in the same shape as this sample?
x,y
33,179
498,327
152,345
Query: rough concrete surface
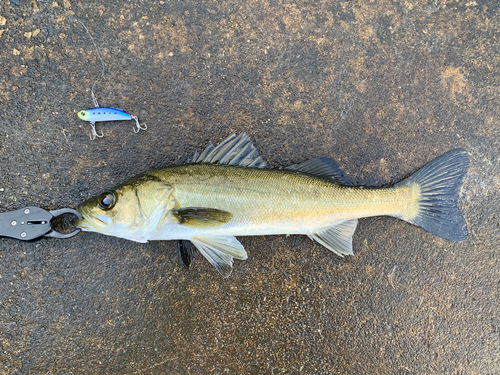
x,y
381,86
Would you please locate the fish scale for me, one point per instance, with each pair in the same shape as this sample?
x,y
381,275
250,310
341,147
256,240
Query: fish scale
x,y
292,198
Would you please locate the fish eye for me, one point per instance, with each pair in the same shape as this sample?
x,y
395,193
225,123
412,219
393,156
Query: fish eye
x,y
106,201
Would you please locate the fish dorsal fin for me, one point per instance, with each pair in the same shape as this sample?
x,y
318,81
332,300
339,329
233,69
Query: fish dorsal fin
x,y
201,217
234,150
323,166
338,237
186,251
220,251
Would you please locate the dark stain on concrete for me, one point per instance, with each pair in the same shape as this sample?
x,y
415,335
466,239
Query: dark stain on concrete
x,y
382,86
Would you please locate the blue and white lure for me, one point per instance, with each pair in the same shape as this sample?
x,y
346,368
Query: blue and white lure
x,y
94,115
98,113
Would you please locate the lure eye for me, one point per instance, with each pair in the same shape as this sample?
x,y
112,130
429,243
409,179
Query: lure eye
x,y
106,201
82,113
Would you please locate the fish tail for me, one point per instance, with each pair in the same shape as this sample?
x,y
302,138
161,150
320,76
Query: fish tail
x,y
435,193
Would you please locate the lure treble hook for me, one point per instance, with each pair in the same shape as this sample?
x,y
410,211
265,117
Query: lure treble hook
x,y
139,127
94,134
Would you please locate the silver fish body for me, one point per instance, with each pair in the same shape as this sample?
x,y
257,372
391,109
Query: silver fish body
x,y
228,191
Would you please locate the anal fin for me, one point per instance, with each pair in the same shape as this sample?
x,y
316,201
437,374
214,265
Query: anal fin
x,y
338,237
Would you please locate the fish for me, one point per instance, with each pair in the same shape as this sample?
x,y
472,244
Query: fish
x,y
229,190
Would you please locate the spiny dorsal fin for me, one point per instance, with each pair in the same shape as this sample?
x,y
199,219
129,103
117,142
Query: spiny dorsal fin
x,y
234,150
338,237
323,166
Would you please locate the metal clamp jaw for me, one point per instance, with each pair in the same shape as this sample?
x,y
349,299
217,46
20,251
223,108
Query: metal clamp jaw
x,y
31,223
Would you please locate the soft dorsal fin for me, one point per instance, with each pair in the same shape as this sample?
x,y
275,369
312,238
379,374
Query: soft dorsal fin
x,y
234,150
323,166
338,237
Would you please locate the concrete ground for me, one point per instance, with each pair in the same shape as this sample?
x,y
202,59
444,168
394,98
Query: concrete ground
x,y
381,86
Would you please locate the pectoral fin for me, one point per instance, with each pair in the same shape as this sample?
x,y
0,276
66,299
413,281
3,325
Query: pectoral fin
x,y
338,237
202,217
220,251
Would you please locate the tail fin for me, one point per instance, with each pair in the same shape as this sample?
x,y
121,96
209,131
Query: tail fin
x,y
439,182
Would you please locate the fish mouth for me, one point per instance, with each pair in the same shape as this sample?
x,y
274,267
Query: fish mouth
x,y
89,223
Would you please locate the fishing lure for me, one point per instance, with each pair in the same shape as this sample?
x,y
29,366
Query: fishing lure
x,y
94,115
98,113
